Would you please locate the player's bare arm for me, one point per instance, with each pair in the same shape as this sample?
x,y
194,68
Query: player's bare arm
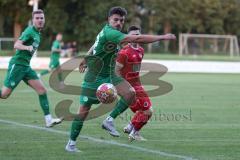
x,y
20,46
147,38
82,66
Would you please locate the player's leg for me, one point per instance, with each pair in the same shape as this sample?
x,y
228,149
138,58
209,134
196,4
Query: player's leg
x,y
87,98
37,85
138,121
127,93
13,77
47,71
76,128
33,81
59,71
44,72
143,112
5,92
54,66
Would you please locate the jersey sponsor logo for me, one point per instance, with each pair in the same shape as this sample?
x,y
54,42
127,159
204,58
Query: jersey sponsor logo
x,y
145,104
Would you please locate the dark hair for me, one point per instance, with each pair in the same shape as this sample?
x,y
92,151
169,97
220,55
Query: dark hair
x,y
133,28
117,10
39,11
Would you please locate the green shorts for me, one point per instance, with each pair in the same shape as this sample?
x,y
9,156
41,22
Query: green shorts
x,y
16,73
89,88
54,64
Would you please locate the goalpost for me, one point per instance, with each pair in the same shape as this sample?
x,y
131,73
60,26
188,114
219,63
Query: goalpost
x,y
197,44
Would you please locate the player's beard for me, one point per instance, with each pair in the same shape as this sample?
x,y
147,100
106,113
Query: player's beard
x,y
40,26
118,27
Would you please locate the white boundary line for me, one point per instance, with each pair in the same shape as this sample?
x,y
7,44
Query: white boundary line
x,y
159,153
182,66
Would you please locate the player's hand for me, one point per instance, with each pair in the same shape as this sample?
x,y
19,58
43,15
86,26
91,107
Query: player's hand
x,y
82,66
30,48
169,36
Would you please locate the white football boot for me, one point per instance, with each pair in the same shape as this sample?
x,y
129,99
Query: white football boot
x,y
127,129
71,147
50,122
109,126
135,135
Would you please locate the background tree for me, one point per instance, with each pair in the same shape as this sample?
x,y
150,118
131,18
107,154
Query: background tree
x,y
15,13
82,20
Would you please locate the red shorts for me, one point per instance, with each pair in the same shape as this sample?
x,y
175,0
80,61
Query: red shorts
x,y
142,102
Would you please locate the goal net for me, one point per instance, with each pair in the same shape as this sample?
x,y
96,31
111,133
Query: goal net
x,y
197,44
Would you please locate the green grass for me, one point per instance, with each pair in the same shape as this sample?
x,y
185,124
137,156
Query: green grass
x,y
157,56
208,128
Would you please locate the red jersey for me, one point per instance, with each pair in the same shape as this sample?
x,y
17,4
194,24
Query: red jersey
x,y
131,59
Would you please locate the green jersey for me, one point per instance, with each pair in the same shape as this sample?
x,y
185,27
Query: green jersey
x,y
30,37
55,54
106,46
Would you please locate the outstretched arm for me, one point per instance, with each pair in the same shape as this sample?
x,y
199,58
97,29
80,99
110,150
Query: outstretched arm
x,y
147,38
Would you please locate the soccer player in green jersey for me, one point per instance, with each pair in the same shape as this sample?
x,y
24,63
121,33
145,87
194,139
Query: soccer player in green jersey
x,y
101,69
19,66
54,60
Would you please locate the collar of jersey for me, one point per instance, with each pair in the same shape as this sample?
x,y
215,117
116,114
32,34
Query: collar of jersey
x,y
35,29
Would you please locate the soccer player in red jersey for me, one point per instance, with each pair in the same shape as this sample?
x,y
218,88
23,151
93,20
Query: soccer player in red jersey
x,y
128,66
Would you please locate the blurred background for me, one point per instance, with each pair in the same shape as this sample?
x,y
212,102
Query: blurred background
x,y
81,20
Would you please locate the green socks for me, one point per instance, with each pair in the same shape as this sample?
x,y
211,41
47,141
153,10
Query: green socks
x,y
44,103
119,108
76,128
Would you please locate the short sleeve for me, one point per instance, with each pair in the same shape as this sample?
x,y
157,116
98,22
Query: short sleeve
x,y
115,36
26,35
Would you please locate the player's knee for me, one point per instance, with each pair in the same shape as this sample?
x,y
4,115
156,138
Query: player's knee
x,y
130,96
41,90
5,95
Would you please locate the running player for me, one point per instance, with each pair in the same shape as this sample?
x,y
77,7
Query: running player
x,y
19,68
54,60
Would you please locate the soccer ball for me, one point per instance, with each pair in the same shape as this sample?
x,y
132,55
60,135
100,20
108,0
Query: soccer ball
x,y
106,93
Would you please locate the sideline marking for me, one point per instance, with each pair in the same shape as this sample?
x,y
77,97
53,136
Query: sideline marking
x,y
160,153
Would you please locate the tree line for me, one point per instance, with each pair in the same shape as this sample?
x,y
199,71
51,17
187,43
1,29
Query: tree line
x,y
81,20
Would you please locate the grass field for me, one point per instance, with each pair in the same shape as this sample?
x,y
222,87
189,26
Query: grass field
x,y
198,119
